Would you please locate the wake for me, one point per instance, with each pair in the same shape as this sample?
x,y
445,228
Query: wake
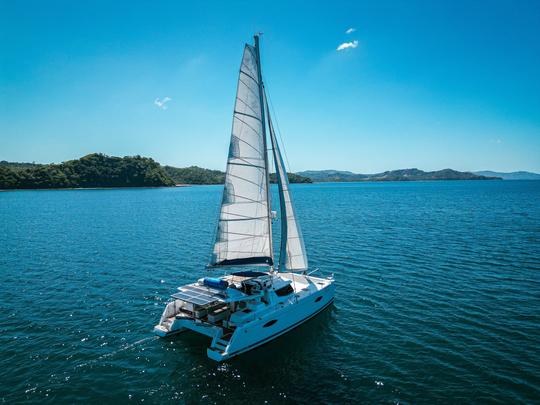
x,y
127,346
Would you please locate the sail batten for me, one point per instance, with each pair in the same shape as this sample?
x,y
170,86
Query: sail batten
x,y
247,115
243,236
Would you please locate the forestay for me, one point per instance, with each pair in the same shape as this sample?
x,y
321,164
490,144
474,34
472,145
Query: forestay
x,y
244,236
292,252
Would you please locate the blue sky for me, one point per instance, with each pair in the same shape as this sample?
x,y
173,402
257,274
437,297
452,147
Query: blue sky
x,y
429,85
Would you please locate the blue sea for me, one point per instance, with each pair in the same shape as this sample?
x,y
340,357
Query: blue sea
x,y
437,300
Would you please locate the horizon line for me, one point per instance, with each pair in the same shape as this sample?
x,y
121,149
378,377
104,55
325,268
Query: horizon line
x,y
296,171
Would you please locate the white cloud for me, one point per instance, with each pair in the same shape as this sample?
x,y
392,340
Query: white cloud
x,y
346,45
350,30
162,103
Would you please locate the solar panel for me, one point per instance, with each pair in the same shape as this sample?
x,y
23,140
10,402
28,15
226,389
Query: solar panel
x,y
198,295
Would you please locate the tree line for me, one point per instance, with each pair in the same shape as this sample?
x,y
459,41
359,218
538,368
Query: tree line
x,y
94,170
99,170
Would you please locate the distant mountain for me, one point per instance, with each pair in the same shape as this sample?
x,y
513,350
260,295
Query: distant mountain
x,y
194,175
510,176
332,175
293,178
393,175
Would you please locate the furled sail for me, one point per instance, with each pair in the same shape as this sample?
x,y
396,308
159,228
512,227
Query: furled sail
x,y
243,235
292,254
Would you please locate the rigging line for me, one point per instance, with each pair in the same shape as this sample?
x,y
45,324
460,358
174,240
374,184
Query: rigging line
x,y
277,127
288,168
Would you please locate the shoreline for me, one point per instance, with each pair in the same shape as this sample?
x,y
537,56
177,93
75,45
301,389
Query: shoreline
x,y
97,188
198,185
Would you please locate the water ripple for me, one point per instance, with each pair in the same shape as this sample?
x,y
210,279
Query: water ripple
x,y
437,299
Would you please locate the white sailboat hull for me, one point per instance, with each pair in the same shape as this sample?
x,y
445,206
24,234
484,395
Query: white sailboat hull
x,y
311,296
255,334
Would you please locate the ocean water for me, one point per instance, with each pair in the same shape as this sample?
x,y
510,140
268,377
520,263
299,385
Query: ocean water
x,y
437,301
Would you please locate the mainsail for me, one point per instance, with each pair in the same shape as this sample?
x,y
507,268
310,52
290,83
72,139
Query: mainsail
x,y
292,253
243,235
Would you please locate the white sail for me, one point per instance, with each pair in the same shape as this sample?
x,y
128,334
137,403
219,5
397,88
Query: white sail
x,y
244,234
293,252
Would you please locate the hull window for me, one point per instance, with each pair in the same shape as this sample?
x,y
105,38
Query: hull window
x,y
283,291
318,299
270,323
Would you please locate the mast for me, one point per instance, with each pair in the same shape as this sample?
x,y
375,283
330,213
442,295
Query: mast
x,y
262,98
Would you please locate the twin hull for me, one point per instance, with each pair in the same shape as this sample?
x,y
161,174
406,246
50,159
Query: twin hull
x,y
262,329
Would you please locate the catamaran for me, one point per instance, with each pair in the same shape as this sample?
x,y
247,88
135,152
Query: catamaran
x,y
261,300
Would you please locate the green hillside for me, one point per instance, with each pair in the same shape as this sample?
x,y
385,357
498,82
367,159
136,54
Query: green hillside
x,y
194,175
94,170
99,170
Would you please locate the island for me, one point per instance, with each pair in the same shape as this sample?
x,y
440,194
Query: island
x,y
90,171
98,170
392,175
520,175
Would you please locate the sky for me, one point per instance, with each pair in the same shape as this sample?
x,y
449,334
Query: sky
x,y
362,86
